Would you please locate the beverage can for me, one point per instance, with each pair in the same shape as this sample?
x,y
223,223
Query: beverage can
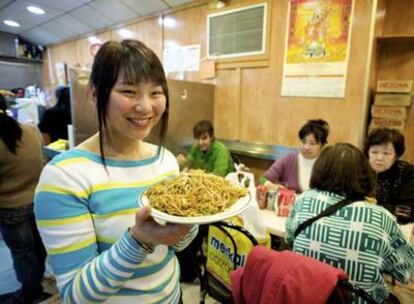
x,y
272,199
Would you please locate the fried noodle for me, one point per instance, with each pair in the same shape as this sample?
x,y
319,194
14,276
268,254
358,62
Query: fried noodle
x,y
194,193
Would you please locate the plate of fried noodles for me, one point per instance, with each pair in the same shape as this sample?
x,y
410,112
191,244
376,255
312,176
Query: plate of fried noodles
x,y
195,197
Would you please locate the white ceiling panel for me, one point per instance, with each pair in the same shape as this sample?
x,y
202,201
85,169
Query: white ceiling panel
x,y
57,29
63,5
21,5
4,2
116,11
173,3
90,16
40,36
144,7
66,19
74,24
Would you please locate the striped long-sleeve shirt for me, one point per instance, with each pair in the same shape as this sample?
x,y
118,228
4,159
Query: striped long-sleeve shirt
x,y
83,213
362,239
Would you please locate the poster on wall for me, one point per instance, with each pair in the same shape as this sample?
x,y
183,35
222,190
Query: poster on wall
x,y
61,73
179,59
317,48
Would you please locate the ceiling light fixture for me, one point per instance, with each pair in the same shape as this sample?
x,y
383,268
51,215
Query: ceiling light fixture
x,y
94,39
168,22
35,10
221,4
124,33
11,23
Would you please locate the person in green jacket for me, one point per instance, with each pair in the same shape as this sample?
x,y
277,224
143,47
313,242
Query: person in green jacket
x,y
210,155
207,153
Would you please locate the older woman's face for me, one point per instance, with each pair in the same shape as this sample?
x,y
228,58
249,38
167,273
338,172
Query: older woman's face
x,y
382,157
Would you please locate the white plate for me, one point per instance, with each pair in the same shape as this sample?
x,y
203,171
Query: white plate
x,y
162,217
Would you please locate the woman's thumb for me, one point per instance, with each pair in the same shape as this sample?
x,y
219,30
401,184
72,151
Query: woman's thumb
x,y
143,214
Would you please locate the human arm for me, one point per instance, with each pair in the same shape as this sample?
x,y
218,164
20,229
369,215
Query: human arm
x,y
406,190
292,224
273,175
67,229
221,161
398,259
85,272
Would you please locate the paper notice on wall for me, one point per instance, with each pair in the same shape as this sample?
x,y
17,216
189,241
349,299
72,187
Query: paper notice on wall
x,y
317,48
181,58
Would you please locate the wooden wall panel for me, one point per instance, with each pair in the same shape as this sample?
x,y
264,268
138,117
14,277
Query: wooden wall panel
x,y
396,57
274,119
190,29
248,105
148,31
227,104
399,17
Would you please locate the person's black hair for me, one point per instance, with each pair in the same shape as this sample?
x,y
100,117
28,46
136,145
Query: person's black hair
x,y
62,94
381,136
343,169
10,131
318,127
138,64
201,127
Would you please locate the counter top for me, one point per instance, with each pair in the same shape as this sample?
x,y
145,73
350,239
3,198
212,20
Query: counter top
x,y
257,149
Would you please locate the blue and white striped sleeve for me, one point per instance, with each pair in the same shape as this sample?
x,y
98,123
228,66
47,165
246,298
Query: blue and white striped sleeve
x,y
67,230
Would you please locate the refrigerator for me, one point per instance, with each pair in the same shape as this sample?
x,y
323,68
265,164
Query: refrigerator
x,y
190,102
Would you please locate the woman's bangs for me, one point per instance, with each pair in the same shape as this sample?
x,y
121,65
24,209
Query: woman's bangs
x,y
139,69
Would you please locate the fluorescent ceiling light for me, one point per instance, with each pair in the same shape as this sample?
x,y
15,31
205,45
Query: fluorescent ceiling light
x,y
35,10
11,23
124,33
94,39
167,21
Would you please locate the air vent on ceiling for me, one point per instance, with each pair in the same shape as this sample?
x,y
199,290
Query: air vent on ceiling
x,y
237,32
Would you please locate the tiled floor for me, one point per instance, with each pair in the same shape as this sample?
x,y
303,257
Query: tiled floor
x,y
191,292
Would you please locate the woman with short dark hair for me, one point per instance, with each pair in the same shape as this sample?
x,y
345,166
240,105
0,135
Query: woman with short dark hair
x,y
395,186
294,170
351,236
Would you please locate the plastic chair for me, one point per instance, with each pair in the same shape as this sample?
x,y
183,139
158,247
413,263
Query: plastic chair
x,y
209,284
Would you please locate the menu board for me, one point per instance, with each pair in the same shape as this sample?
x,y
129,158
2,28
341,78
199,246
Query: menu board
x,y
317,48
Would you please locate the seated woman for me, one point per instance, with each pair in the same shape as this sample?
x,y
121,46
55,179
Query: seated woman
x,y
294,170
395,178
361,238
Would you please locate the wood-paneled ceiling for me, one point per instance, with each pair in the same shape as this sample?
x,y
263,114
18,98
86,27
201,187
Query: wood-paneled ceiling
x,y
65,19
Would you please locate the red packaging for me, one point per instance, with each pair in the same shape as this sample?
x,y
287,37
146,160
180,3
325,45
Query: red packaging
x,y
261,192
286,200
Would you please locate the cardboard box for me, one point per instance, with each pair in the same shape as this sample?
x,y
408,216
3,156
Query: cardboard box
x,y
393,100
395,86
387,123
389,112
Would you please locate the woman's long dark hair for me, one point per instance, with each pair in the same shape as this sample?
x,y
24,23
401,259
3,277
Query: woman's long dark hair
x,y
139,64
10,131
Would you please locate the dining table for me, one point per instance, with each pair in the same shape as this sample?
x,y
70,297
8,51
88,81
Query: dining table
x,y
275,225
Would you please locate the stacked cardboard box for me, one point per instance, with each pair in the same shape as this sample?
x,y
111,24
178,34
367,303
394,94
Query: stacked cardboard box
x,y
391,102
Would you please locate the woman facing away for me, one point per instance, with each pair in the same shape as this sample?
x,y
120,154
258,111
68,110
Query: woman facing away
x,y
395,177
363,239
21,161
294,170
55,121
103,244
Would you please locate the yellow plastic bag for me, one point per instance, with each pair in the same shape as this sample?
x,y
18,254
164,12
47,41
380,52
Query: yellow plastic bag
x,y
220,251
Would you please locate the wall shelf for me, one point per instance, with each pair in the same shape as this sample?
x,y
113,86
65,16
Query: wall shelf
x,y
396,41
20,59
